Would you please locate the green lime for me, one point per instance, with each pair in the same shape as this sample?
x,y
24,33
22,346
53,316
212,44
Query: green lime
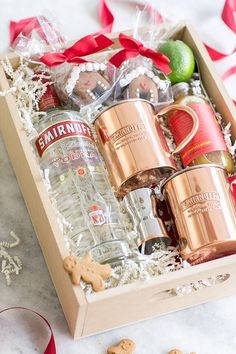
x,y
181,60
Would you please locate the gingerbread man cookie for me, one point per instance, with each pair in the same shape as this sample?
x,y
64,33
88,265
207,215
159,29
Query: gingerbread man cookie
x,y
88,270
125,346
175,351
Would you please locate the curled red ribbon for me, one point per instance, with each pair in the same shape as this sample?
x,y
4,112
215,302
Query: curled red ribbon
x,y
51,347
133,48
229,17
105,17
85,46
229,14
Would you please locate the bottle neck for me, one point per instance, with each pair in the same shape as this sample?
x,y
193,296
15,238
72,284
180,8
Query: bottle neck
x,y
180,90
50,100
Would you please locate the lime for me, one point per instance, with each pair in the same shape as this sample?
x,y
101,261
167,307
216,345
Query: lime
x,y
181,60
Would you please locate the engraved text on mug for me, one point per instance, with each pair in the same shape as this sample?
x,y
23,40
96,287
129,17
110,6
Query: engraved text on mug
x,y
128,134
201,203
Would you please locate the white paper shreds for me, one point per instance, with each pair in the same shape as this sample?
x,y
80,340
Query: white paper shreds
x,y
163,260
10,265
27,87
227,135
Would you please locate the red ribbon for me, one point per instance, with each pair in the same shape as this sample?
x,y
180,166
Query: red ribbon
x,y
215,55
105,17
51,347
133,48
229,14
229,17
232,181
85,46
25,26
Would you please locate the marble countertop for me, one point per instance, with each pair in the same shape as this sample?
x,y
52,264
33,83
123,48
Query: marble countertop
x,y
204,329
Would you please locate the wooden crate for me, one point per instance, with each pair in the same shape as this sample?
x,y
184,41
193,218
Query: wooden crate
x,y
87,315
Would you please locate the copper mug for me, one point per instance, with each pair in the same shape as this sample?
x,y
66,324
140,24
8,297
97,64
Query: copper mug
x,y
133,145
204,212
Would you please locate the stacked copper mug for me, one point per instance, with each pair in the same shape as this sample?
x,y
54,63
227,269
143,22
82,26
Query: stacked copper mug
x,y
137,157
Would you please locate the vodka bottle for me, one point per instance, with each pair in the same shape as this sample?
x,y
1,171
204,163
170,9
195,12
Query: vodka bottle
x,y
73,168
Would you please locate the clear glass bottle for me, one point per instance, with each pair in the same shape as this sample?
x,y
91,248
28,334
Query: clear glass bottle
x,y
208,145
78,184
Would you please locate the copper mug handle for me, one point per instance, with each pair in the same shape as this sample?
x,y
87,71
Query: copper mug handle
x,y
191,134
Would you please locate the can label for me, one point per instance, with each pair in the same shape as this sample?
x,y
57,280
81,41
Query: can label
x,y
208,138
62,130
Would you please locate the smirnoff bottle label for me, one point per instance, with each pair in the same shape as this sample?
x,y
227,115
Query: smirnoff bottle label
x,y
60,131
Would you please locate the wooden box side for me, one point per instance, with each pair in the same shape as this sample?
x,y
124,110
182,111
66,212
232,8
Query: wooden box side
x,y
146,299
40,209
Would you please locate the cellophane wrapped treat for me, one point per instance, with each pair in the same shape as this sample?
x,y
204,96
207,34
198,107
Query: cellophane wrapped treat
x,y
140,78
32,37
85,86
144,76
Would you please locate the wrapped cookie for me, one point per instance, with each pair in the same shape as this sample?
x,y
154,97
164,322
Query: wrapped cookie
x,y
141,79
90,83
142,73
86,82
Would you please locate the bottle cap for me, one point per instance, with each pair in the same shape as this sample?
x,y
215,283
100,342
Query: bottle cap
x,y
180,88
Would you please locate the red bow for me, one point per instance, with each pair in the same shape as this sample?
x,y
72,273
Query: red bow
x,y
84,46
133,48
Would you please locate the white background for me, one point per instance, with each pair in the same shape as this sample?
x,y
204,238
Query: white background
x,y
205,329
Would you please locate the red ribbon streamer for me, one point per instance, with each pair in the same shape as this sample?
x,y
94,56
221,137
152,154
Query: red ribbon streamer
x,y
229,72
229,17
51,347
215,55
133,48
84,46
229,14
105,17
